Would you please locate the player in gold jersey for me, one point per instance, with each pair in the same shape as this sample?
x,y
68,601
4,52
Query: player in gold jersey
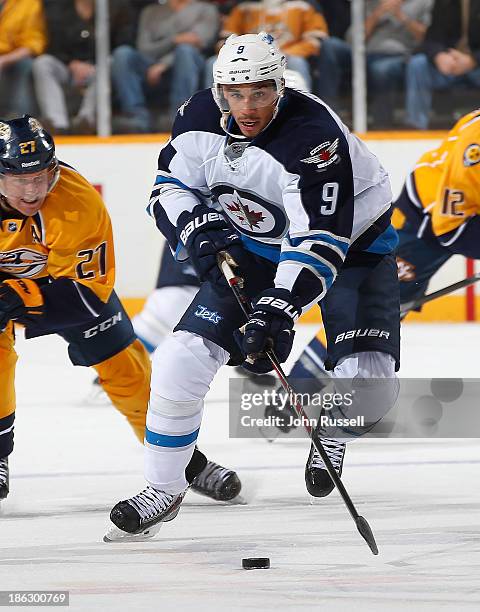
x,y
57,271
440,206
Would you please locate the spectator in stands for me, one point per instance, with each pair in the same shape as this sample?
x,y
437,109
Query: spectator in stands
x,y
297,27
22,37
172,37
448,58
393,29
69,62
337,16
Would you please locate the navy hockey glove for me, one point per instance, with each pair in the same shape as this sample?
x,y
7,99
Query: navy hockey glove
x,y
204,232
270,326
19,298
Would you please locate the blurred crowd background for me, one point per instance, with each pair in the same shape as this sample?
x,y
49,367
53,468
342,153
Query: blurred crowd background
x,y
422,57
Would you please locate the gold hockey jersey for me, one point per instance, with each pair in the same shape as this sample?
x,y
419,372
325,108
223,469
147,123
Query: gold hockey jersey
x,y
442,194
67,247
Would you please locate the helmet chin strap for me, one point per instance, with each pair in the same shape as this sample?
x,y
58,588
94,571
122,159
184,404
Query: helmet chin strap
x,y
224,123
56,176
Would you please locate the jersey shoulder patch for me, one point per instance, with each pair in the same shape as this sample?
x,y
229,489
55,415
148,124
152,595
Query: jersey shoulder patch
x,y
316,143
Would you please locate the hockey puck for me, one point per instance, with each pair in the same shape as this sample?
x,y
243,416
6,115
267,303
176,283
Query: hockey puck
x,y
256,563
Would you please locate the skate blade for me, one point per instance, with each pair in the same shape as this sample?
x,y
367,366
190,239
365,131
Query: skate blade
x,y
114,534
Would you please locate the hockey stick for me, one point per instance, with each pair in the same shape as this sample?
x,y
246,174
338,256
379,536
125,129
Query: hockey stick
x,y
470,280
225,263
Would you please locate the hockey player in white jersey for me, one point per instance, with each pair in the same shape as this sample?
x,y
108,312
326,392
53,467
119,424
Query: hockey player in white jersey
x,y
309,204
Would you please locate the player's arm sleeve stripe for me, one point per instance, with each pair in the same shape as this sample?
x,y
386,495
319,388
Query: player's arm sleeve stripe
x,y
412,191
385,243
336,243
302,280
456,235
423,225
163,178
319,266
5,431
170,197
325,246
164,184
332,256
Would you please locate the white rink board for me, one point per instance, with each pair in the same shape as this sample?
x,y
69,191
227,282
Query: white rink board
x,y
126,172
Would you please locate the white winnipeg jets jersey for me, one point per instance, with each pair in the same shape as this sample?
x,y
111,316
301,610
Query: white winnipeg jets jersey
x,y
302,193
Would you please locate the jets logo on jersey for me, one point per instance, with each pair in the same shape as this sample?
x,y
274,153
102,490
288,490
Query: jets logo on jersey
x,y
250,218
250,214
324,155
471,156
24,263
211,316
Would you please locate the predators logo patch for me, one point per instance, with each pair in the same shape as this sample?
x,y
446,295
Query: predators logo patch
x,y
471,156
406,270
22,262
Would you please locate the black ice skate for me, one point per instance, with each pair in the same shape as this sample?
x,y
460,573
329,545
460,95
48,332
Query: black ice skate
x,y
317,479
4,484
217,482
141,516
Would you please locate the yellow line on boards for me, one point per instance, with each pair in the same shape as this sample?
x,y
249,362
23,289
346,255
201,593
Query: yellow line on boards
x,y
163,137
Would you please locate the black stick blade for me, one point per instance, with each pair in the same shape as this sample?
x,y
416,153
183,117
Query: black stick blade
x,y
366,533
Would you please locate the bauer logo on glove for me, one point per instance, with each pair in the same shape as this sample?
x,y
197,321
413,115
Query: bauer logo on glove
x,y
281,305
270,327
199,221
204,233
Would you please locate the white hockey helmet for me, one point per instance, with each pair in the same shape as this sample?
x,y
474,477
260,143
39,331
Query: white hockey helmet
x,y
250,58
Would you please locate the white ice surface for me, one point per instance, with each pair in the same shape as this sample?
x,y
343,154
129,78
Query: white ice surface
x,y
72,462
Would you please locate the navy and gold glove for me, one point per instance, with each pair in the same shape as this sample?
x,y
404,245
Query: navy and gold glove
x,y
204,232
19,298
270,326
